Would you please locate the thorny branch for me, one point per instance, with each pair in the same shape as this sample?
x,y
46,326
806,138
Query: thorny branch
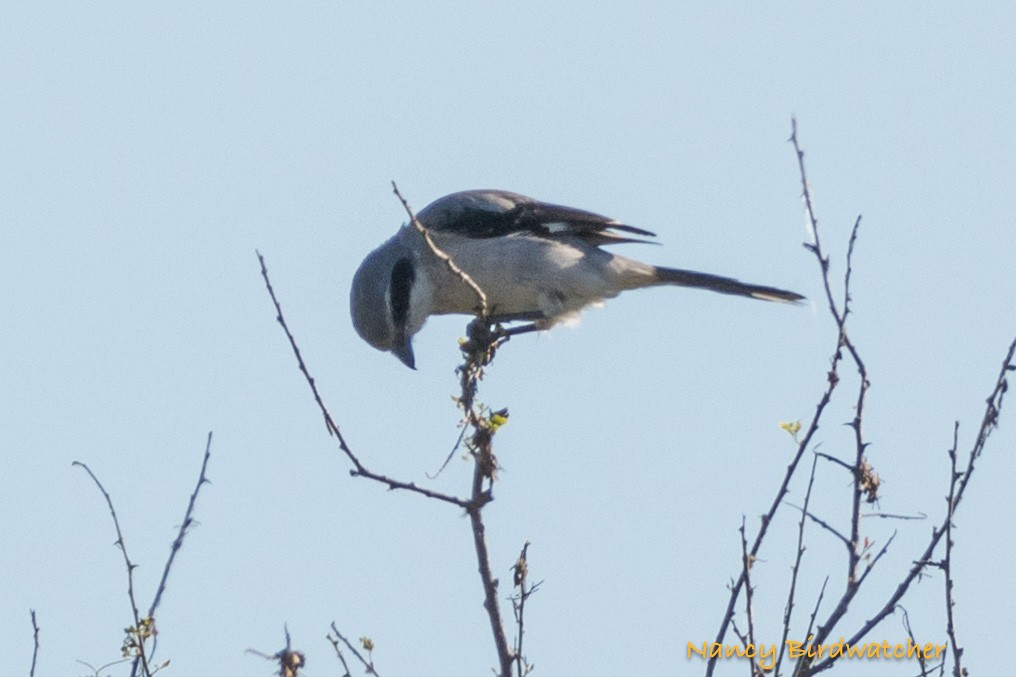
x,y
988,424
359,469
735,589
910,633
144,628
865,481
127,562
188,521
338,652
479,350
855,548
950,628
483,340
520,577
805,513
801,669
788,610
833,380
368,664
35,636
746,564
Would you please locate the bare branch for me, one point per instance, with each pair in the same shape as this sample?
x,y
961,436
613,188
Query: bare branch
x,y
746,563
861,469
140,645
35,635
338,652
835,460
802,665
861,559
188,520
479,350
359,470
874,560
483,470
368,646
97,670
988,424
818,603
957,651
796,568
735,588
832,381
910,634
865,484
822,523
892,516
520,577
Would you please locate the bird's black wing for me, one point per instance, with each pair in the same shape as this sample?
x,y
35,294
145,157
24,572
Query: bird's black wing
x,y
498,213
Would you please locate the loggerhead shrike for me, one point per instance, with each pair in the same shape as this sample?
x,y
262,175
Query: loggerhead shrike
x,y
534,261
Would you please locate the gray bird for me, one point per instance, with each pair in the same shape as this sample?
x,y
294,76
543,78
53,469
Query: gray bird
x,y
535,261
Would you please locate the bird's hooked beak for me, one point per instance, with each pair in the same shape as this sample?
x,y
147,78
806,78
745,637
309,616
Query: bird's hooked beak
x,y
404,351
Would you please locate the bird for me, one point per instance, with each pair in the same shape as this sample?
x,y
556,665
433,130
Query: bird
x,y
534,261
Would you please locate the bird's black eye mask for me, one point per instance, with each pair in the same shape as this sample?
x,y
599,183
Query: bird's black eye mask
x,y
403,275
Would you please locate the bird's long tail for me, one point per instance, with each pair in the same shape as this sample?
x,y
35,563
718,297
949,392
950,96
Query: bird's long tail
x,y
724,285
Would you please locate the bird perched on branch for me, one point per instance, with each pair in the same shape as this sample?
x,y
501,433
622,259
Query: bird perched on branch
x,y
533,261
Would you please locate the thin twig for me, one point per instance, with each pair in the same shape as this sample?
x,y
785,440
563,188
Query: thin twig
x,y
520,576
988,423
746,563
338,652
854,545
893,516
478,351
957,651
821,522
835,460
832,381
188,520
874,560
97,670
859,444
910,634
767,518
743,638
802,665
860,468
490,601
359,470
367,664
796,568
127,562
35,635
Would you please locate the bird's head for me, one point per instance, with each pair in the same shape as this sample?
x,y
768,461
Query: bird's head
x,y
388,299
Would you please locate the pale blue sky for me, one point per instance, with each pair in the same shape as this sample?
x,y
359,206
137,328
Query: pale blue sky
x,y
146,151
